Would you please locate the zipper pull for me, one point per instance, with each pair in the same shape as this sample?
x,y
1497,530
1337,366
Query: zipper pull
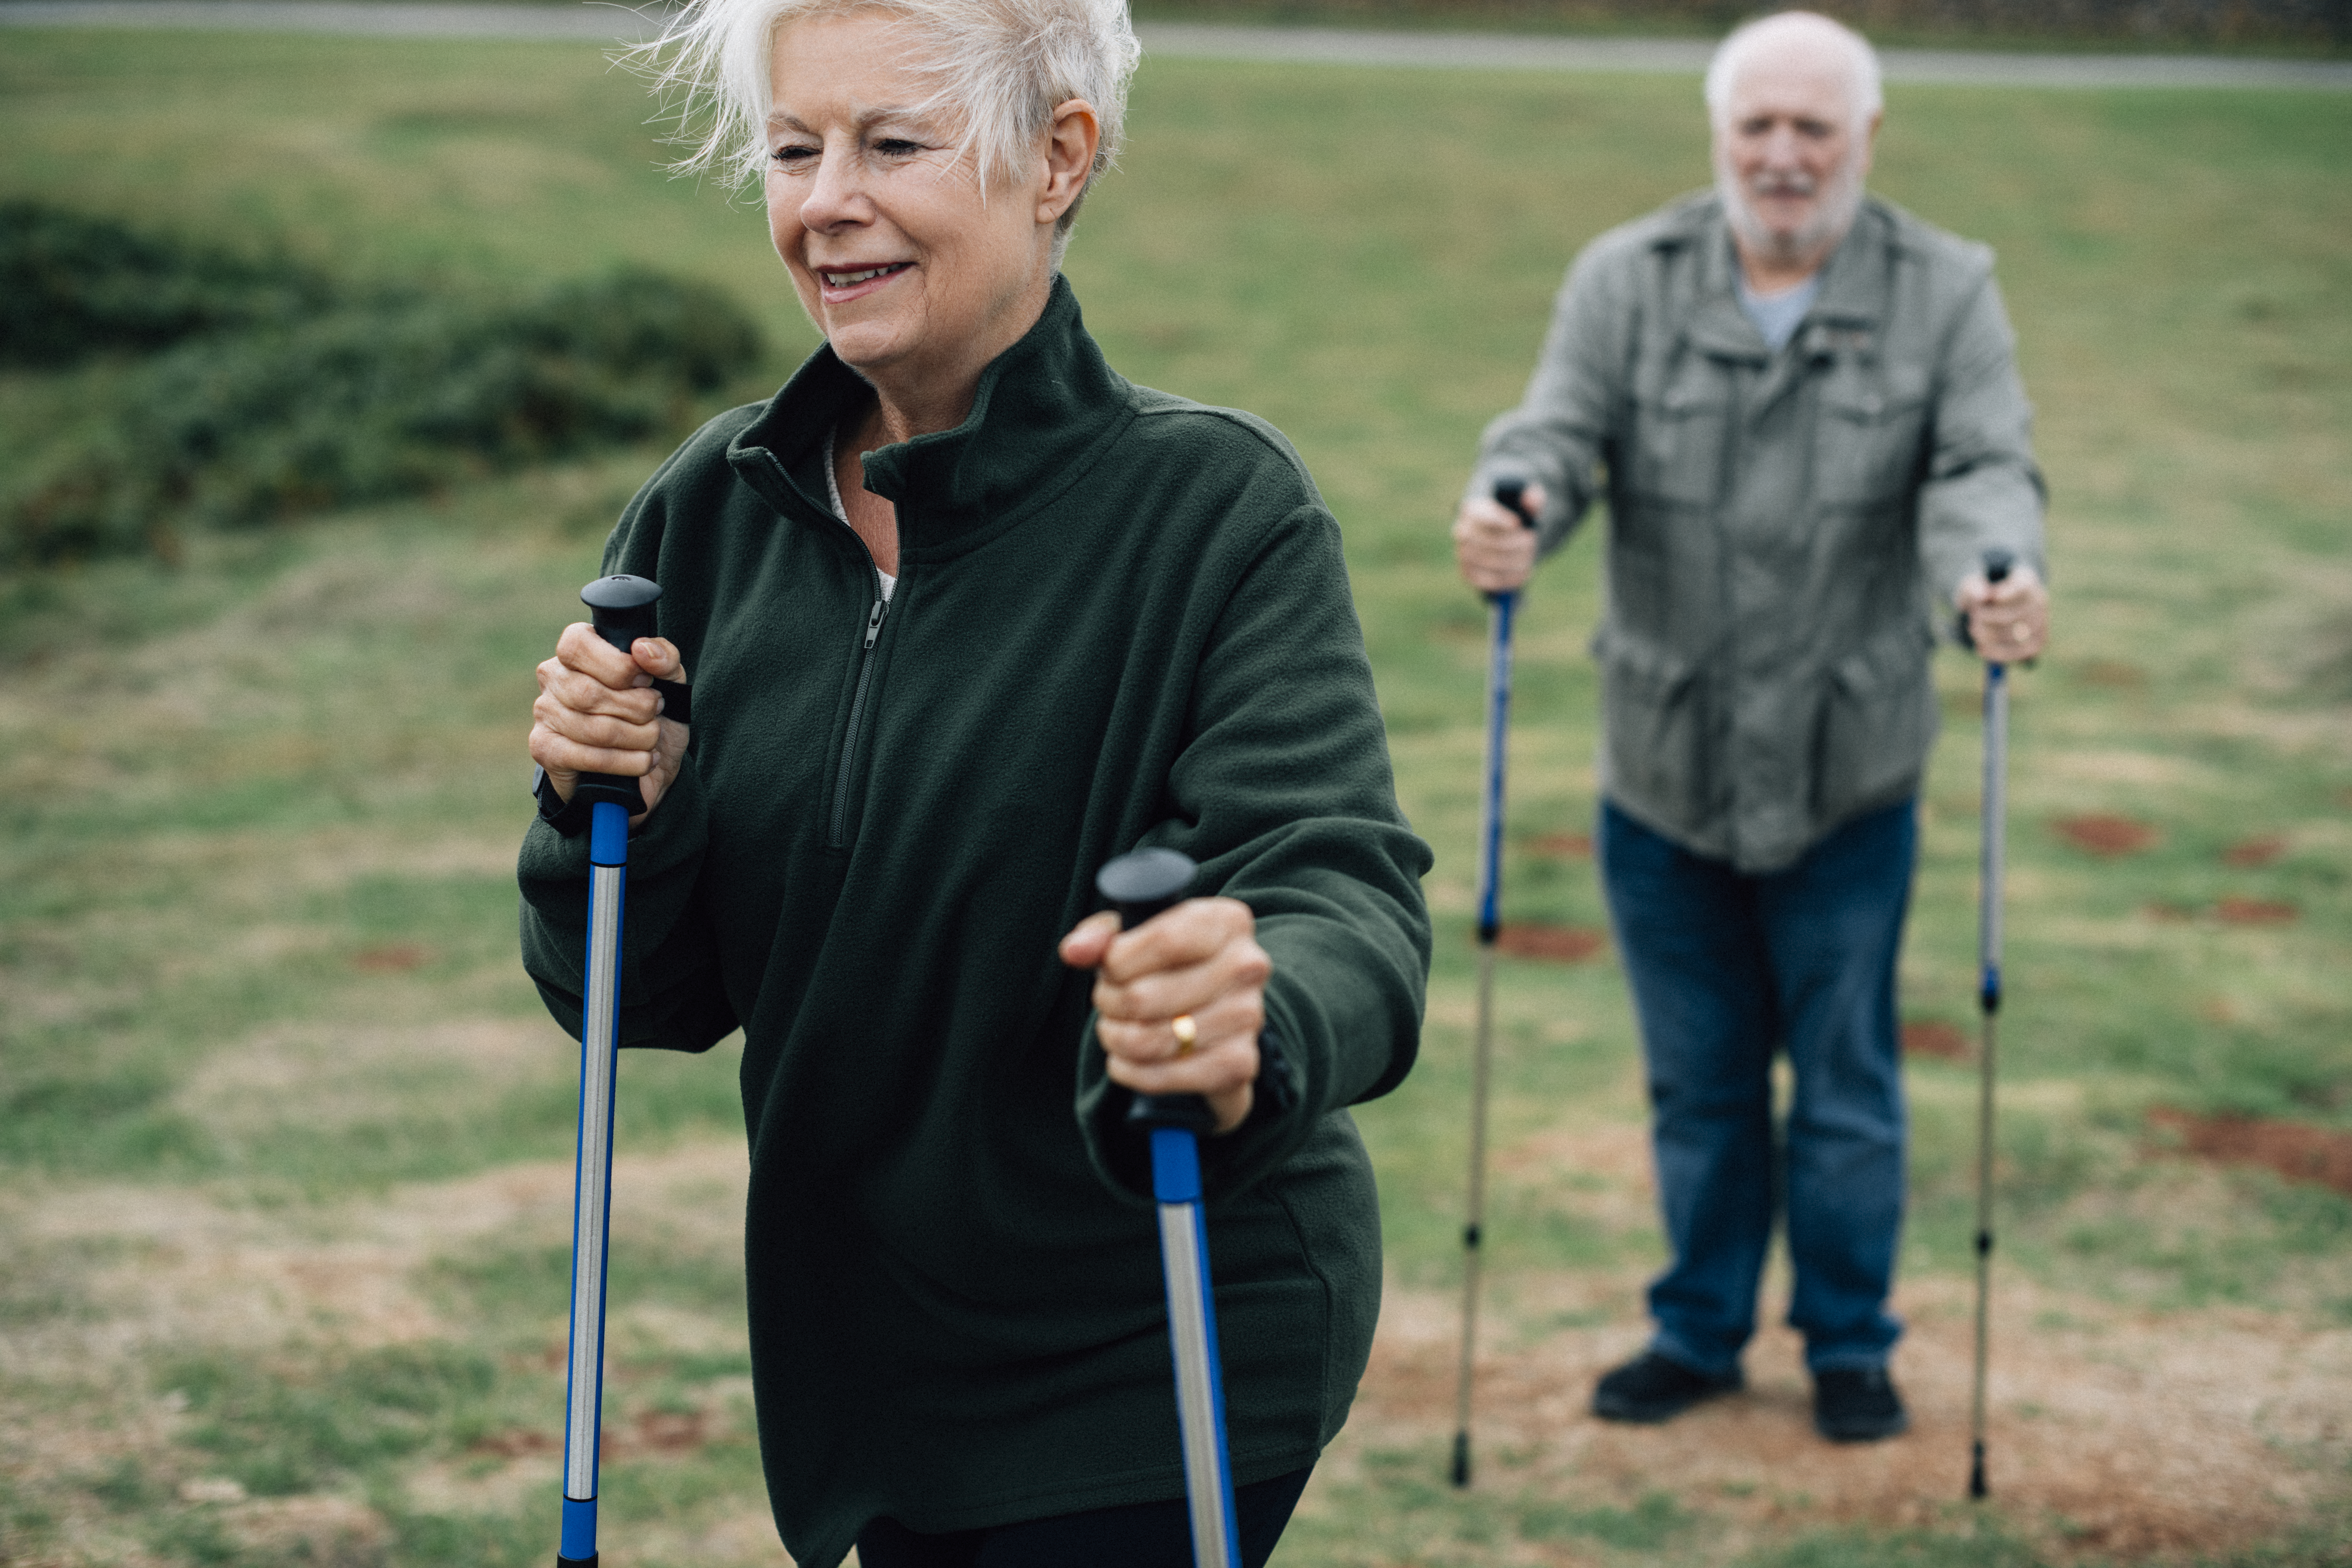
x,y
874,622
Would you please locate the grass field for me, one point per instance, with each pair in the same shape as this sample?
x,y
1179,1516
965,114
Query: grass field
x,y
284,1136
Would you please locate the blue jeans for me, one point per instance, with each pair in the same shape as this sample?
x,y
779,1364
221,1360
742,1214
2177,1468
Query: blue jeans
x,y
1727,969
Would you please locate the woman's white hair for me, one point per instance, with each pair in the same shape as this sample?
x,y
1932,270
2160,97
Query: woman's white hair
x,y
1731,56
999,69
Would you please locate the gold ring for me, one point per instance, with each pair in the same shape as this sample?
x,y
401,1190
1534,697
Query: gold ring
x,y
1187,1033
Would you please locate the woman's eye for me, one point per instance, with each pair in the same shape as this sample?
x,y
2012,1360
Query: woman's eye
x,y
791,157
898,147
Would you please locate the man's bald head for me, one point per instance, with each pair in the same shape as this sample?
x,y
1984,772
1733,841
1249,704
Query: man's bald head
x,y
1797,40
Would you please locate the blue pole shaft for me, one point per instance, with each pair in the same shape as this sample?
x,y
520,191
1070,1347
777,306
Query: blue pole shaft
x,y
592,1193
1498,726
1192,1344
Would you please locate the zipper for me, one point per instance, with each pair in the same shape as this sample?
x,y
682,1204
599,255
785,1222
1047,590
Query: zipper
x,y
837,834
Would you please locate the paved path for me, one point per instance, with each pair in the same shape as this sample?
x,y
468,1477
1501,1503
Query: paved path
x,y
1318,46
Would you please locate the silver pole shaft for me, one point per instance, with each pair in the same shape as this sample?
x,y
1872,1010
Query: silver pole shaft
x,y
1196,1398
591,1205
1474,1224
1991,867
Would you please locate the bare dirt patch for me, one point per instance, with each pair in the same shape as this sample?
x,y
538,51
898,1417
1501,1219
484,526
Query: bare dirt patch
x,y
2120,1433
1561,846
2257,851
519,1442
2112,673
2232,909
1553,944
2293,1149
651,1432
2235,911
1934,1038
2105,834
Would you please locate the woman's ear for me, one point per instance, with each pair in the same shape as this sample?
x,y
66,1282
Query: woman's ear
x,y
1070,144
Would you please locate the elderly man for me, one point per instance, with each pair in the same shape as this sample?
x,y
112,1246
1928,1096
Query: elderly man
x,y
1802,404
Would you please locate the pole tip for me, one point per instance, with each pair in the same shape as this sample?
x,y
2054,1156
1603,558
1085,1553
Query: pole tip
x,y
1977,1490
1462,1459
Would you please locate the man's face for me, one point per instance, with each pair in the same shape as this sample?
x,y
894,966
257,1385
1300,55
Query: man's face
x,y
1791,155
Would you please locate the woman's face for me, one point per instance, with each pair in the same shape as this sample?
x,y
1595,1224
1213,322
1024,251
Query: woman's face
x,y
916,280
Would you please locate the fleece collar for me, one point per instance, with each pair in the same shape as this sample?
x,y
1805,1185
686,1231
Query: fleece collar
x,y
1046,410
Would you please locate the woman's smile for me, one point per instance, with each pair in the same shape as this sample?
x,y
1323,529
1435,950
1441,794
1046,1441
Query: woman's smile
x,y
842,284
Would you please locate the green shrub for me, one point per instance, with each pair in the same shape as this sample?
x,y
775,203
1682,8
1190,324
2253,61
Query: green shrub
x,y
72,285
369,401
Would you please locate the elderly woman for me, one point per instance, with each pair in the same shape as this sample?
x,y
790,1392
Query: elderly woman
x,y
967,614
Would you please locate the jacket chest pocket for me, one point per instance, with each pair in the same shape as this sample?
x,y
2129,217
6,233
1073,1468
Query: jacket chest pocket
x,y
1870,440
1680,424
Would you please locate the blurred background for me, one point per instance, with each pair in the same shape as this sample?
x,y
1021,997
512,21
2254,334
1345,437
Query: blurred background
x,y
328,356
2169,25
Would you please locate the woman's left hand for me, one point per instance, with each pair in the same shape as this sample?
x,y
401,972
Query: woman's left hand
x,y
1199,961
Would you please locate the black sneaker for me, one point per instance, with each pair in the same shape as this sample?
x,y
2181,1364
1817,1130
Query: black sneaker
x,y
1651,1388
1857,1404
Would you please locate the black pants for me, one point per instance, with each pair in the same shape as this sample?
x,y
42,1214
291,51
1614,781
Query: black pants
x,y
1141,1535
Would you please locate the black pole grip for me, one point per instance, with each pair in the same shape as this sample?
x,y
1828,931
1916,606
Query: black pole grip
x,y
620,607
1998,564
1511,491
1138,885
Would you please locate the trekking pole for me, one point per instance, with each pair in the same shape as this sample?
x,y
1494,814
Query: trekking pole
x,y
1139,886
622,609
1512,493
1997,565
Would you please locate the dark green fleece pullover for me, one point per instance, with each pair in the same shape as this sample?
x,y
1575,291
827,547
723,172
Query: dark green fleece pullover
x,y
1120,619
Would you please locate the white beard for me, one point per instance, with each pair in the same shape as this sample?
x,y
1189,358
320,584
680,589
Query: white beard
x,y
1841,200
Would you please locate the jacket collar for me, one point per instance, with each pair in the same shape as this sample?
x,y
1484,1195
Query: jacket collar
x,y
1044,409
1845,315
1852,302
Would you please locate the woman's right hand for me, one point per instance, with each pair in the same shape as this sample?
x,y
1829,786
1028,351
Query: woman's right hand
x,y
597,713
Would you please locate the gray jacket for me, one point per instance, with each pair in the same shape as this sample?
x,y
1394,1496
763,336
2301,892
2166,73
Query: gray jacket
x,y
1787,529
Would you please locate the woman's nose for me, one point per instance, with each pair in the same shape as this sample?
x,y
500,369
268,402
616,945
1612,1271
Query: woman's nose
x,y
834,194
